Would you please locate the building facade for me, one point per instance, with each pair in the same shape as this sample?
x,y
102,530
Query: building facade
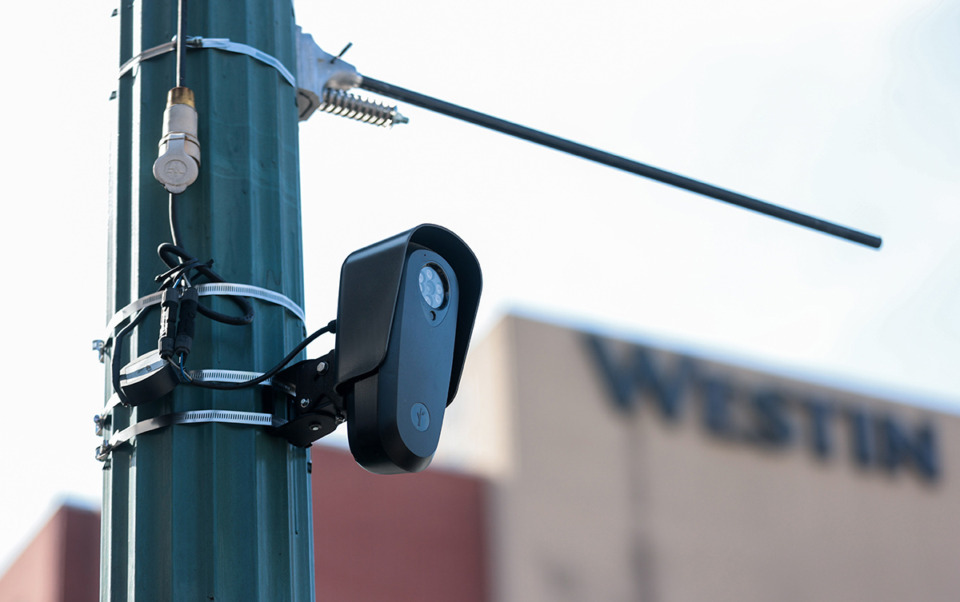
x,y
630,473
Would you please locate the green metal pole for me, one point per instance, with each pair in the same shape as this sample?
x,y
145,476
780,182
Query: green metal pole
x,y
209,511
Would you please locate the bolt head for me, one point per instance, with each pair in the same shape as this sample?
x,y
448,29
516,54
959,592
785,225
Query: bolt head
x,y
322,368
315,427
304,402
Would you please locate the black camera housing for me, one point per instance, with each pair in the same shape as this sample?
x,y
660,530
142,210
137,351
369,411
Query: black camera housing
x,y
406,312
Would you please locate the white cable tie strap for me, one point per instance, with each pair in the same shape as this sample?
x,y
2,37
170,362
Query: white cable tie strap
x,y
194,417
225,376
202,376
146,55
228,46
210,376
129,310
113,402
206,290
216,43
255,292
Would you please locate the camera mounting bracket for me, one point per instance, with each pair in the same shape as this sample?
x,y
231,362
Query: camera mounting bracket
x,y
314,409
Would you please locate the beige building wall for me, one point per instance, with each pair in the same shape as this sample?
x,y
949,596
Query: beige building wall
x,y
590,502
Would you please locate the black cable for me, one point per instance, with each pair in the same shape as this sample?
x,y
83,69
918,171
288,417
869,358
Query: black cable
x,y
618,162
174,224
330,327
174,274
171,255
181,47
185,322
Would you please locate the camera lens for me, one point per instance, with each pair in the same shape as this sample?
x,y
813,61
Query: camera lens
x,y
432,287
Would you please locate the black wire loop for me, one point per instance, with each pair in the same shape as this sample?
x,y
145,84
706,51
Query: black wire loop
x,y
180,261
330,327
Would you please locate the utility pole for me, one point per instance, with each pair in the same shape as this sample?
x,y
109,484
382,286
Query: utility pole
x,y
211,510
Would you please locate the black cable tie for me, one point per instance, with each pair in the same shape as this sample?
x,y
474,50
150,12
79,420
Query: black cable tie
x,y
168,320
179,269
185,327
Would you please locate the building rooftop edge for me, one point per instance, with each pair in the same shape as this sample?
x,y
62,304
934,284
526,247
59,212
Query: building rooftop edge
x,y
888,391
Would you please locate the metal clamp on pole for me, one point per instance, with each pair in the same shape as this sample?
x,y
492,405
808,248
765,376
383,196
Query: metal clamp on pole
x,y
197,42
324,82
195,417
204,290
227,45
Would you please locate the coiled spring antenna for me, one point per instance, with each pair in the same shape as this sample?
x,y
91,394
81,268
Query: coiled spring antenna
x,y
351,106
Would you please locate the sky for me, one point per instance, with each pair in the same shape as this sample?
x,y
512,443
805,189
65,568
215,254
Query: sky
x,y
844,110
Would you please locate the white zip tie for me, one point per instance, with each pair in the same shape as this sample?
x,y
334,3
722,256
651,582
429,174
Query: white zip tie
x,y
217,44
194,417
226,45
217,375
206,290
131,63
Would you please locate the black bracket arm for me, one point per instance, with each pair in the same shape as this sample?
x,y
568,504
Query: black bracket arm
x,y
315,409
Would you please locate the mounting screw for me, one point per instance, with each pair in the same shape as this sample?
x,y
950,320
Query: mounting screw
x,y
315,427
103,452
304,402
322,368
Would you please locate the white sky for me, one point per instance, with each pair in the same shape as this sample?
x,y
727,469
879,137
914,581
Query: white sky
x,y
845,110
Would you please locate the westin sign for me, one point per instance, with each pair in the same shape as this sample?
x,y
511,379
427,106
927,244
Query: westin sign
x,y
764,417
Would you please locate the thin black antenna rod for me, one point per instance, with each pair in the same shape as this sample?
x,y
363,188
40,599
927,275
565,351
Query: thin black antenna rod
x,y
618,162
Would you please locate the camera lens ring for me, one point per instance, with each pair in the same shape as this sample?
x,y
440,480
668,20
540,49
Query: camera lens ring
x,y
434,289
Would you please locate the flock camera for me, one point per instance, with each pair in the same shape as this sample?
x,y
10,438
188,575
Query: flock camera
x,y
404,319
405,315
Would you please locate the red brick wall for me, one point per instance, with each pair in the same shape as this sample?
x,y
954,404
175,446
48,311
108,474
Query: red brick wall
x,y
414,537
61,564
400,537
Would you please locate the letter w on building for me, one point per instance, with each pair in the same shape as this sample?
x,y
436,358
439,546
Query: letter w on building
x,y
628,377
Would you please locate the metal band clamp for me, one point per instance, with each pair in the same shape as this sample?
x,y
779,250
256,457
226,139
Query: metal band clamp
x,y
148,54
216,43
209,376
205,290
194,417
226,45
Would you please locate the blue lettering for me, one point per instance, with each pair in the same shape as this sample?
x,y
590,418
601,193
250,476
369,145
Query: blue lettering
x,y
717,398
772,426
861,435
873,440
819,413
898,448
628,380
